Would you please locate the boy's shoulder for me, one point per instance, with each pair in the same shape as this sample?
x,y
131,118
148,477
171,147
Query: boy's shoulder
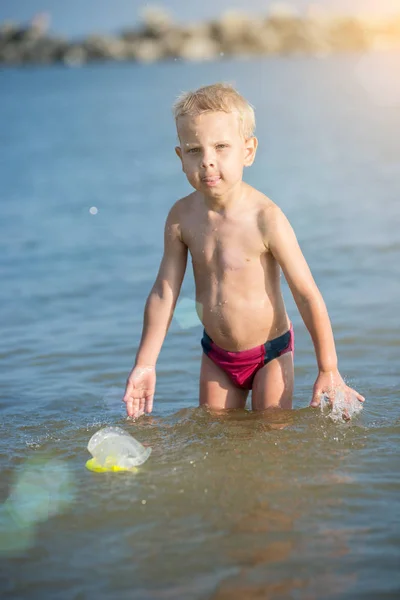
x,y
177,216
264,206
183,202
181,206
271,219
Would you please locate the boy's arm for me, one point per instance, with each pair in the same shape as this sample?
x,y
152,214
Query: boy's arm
x,y
282,243
159,309
164,294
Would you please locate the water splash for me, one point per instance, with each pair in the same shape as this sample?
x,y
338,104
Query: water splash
x,y
343,408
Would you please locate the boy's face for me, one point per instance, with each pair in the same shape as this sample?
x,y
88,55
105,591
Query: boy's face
x,y
213,151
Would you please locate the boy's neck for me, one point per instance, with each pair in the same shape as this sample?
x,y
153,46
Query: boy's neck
x,y
222,204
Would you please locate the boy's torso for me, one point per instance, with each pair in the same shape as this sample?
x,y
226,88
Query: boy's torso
x,y
238,295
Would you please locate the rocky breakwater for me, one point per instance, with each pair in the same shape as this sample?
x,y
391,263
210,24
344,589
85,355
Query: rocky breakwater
x,y
234,34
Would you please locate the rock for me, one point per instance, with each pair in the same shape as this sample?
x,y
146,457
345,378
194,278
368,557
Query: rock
x,y
172,42
8,29
283,31
44,51
10,55
315,40
232,30
190,43
346,35
40,24
156,22
75,56
130,35
288,34
381,35
105,48
147,50
198,48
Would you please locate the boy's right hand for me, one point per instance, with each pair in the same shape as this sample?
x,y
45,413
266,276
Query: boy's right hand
x,y
139,390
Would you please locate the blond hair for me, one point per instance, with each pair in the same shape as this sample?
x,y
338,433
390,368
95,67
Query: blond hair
x,y
217,97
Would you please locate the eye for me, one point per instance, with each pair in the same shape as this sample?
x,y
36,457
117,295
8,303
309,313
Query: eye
x,y
222,146
193,150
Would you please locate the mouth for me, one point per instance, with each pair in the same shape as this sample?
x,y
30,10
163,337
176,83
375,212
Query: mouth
x,y
211,181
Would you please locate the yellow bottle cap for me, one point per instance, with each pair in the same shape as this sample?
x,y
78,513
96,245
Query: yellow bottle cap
x,y
96,467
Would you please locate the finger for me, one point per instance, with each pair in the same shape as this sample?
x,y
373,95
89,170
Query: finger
x,y
132,407
141,406
330,396
345,415
352,393
149,404
128,392
316,399
131,401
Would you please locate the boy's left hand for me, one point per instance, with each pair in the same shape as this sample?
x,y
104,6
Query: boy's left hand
x,y
328,384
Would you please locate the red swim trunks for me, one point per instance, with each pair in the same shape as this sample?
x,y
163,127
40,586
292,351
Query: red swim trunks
x,y
242,366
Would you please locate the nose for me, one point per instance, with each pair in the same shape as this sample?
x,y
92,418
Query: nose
x,y
208,159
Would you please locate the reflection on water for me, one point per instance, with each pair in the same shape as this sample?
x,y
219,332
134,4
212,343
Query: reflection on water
x,y
41,490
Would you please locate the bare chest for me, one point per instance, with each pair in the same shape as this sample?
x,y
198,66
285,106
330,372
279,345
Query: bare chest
x,y
224,246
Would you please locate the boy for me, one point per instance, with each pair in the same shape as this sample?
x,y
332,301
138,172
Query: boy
x,y
239,241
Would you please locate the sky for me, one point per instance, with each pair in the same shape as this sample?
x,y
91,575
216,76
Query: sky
x,y
74,18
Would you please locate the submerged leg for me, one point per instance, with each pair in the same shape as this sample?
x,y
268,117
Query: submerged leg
x,y
273,384
217,391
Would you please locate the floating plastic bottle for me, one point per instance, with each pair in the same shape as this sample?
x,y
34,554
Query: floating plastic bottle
x,y
113,449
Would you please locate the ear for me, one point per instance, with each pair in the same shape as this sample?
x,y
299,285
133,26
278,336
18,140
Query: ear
x,y
250,151
178,152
